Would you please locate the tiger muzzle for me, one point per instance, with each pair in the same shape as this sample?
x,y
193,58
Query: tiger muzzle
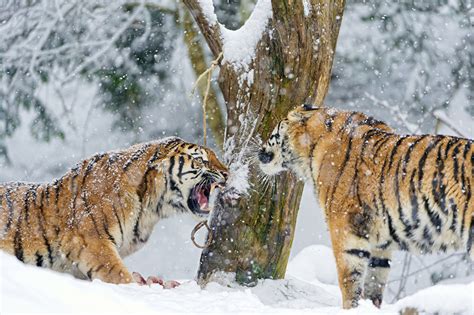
x,y
265,157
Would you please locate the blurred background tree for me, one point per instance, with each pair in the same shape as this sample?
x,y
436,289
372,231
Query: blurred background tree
x,y
416,55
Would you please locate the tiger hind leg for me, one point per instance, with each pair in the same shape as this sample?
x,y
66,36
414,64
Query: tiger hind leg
x,y
376,276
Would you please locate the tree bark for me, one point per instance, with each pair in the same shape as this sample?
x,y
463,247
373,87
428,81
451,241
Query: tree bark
x,y
292,65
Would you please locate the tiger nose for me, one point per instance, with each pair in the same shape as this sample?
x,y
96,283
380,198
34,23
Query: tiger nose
x,y
265,157
226,175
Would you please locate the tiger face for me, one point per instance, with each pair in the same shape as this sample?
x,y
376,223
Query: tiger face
x,y
195,175
276,155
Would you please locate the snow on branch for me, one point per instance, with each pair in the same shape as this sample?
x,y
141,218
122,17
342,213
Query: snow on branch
x,y
203,13
238,46
208,11
108,44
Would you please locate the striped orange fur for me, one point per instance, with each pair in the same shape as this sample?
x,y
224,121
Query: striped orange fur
x,y
105,207
380,191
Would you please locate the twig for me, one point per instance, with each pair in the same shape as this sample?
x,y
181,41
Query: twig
x,y
441,116
112,40
404,276
427,267
395,111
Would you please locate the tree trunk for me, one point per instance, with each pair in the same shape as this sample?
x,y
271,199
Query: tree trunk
x,y
291,66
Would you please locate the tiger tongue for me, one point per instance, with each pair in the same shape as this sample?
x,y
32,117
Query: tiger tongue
x,y
202,200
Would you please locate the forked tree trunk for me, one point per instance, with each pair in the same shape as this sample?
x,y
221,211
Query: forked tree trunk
x,y
291,66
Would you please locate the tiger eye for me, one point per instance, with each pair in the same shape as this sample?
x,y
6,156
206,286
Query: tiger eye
x,y
199,161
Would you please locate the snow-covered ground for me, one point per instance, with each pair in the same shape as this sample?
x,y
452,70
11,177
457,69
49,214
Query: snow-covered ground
x,y
309,289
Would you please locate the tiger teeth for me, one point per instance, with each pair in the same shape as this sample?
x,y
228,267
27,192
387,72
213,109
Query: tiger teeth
x,y
213,186
216,185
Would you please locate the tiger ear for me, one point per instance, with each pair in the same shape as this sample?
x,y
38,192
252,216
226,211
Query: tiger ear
x,y
160,165
302,113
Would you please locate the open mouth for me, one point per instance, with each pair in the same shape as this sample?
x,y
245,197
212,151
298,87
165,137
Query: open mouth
x,y
199,198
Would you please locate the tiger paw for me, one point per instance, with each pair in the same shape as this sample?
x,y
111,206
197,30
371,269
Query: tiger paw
x,y
165,284
154,280
138,278
171,284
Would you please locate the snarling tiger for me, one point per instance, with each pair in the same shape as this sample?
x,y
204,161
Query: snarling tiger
x,y
380,191
105,208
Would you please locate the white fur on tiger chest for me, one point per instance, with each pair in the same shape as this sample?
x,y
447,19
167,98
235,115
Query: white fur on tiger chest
x,y
130,242
148,217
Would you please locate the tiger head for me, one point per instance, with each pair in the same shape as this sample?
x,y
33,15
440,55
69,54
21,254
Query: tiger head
x,y
277,153
194,173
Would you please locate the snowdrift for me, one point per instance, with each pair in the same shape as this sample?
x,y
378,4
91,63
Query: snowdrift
x,y
28,289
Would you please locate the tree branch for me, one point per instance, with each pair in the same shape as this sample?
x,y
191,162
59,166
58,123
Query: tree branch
x,y
104,49
283,9
210,29
441,116
395,110
330,15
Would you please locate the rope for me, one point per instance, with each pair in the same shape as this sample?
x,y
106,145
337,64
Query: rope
x,y
208,71
209,235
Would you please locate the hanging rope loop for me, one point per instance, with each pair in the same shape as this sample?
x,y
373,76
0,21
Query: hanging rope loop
x,y
209,235
209,70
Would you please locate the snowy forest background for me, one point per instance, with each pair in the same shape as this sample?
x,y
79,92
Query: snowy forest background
x,y
82,76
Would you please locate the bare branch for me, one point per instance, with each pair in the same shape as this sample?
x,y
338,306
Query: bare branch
x,y
210,29
441,116
106,47
438,114
395,110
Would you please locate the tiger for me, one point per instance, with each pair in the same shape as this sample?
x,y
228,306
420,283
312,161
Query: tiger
x,y
105,207
380,191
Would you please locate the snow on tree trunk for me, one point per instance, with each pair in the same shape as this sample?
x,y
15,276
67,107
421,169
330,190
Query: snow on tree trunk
x,y
280,58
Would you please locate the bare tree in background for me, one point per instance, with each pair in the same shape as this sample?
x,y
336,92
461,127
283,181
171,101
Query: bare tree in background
x,y
288,54
124,48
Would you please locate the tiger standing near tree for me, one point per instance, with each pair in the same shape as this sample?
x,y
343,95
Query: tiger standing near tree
x,y
380,191
105,208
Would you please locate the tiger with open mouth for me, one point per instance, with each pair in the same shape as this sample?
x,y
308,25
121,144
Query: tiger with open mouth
x,y
105,207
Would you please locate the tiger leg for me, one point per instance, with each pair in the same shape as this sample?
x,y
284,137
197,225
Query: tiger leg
x,y
470,239
376,276
99,259
352,258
